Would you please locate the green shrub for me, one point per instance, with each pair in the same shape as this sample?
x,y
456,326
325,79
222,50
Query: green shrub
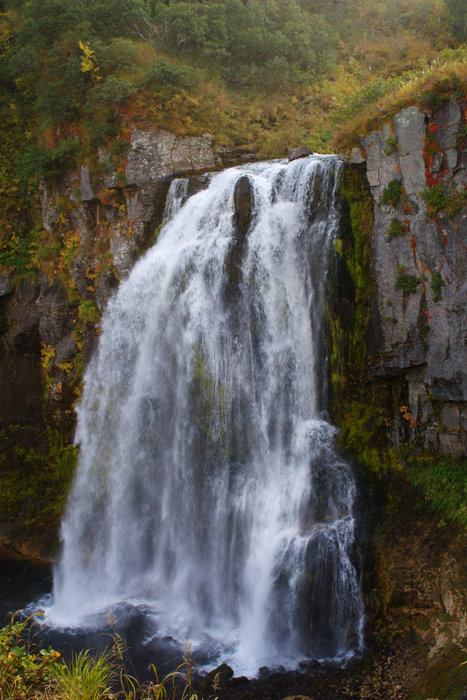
x,y
35,162
444,483
440,202
461,135
437,283
24,671
88,312
392,194
408,283
396,228
390,145
17,253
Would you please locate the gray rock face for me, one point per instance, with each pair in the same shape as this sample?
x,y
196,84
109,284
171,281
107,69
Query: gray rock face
x,y
159,156
298,152
447,123
410,128
85,185
107,219
123,209
421,274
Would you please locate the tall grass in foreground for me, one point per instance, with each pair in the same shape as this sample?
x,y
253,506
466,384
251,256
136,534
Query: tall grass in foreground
x,y
86,677
29,672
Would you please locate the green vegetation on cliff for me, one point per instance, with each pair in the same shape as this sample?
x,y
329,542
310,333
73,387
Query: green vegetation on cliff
x,y
362,407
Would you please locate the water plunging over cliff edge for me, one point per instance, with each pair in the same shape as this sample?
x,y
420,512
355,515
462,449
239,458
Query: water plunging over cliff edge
x,y
208,488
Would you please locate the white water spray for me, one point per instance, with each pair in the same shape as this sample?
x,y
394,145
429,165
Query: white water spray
x,y
208,487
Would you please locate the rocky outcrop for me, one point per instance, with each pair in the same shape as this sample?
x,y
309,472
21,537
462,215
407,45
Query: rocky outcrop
x,y
416,168
105,219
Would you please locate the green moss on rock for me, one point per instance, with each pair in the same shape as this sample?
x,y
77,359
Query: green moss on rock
x,y
361,406
34,483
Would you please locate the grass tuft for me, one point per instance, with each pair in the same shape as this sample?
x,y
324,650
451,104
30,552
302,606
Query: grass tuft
x,y
87,677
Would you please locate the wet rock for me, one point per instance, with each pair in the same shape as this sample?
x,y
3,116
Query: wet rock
x,y
298,152
197,183
106,286
217,679
243,202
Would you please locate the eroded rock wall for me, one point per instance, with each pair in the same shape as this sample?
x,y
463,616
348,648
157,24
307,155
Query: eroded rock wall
x,y
416,168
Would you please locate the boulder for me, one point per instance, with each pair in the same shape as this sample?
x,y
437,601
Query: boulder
x,y
298,152
216,680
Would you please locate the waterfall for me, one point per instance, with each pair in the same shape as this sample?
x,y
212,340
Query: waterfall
x,y
208,488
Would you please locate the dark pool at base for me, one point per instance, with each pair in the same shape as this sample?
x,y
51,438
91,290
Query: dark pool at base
x,y
21,582
24,583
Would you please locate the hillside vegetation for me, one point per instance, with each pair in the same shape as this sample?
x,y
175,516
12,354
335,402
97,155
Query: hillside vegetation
x,y
260,75
241,68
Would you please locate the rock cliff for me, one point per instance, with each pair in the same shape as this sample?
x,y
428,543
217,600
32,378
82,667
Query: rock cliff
x,y
398,329
416,169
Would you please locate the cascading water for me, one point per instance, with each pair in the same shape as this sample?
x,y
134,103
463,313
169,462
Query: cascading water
x,y
208,488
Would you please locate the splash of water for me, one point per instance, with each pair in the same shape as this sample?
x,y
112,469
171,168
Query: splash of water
x,y
208,487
